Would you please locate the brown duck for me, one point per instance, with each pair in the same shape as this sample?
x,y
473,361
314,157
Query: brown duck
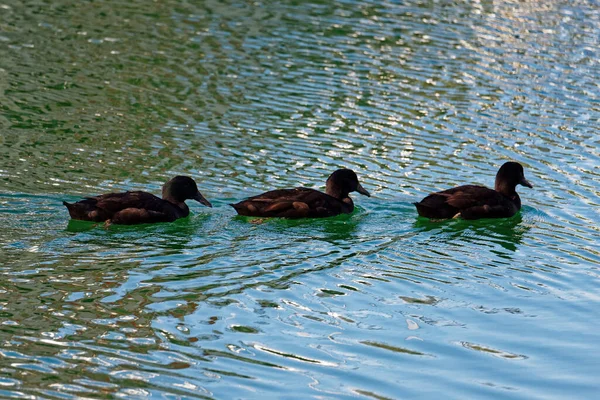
x,y
139,207
474,202
306,203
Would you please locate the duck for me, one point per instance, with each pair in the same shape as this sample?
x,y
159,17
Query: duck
x,y
137,207
475,202
303,202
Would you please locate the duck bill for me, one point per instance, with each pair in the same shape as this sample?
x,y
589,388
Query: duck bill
x,y
362,190
526,183
200,199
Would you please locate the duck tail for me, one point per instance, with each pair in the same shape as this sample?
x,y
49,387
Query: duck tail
x,y
70,208
243,209
423,210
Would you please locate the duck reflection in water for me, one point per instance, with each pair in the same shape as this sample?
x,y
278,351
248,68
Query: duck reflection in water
x,y
506,232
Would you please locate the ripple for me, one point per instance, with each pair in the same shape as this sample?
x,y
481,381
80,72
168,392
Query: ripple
x,y
494,352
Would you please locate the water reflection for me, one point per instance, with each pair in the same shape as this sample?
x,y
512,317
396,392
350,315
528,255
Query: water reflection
x,y
506,232
335,230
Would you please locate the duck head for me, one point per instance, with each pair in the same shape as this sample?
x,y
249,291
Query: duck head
x,y
509,176
183,188
342,182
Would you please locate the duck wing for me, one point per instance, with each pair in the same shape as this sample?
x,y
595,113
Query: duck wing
x,y
106,206
292,203
470,201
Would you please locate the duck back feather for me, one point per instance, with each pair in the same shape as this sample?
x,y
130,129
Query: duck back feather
x,y
468,202
127,208
293,203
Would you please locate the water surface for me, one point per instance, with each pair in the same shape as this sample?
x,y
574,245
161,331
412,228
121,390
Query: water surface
x,y
250,96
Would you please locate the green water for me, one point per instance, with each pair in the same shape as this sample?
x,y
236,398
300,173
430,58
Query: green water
x,y
249,96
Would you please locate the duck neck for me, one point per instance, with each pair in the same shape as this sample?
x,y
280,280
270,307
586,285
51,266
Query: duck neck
x,y
179,204
337,192
349,203
517,200
508,191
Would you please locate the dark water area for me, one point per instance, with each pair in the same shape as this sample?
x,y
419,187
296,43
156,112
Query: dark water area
x,y
245,97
